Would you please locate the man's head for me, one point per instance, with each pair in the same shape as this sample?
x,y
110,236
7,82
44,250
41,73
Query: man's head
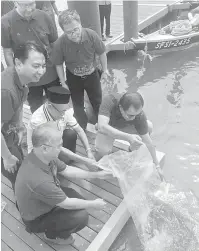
x,y
69,21
47,140
26,8
131,104
58,99
30,61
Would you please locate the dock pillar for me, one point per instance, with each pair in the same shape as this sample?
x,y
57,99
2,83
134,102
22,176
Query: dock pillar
x,y
89,13
130,17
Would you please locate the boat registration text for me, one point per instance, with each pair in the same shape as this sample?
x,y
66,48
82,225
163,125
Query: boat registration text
x,y
173,43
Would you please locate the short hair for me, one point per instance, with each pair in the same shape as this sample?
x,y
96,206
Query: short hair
x,y
67,17
131,99
43,134
22,50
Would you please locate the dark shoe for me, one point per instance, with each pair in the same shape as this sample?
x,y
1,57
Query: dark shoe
x,y
60,241
109,36
103,38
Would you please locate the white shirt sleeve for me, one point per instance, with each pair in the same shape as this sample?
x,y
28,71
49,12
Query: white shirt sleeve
x,y
37,118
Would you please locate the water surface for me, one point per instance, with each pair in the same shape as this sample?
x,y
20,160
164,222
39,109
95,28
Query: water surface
x,y
170,86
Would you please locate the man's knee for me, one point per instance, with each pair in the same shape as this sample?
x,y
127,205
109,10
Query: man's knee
x,y
69,135
150,126
81,218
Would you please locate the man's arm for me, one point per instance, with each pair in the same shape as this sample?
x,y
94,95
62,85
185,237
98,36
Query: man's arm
x,y
103,61
66,153
74,203
84,139
105,128
9,58
61,75
74,172
149,143
10,161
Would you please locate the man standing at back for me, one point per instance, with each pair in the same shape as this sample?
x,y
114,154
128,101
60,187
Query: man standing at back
x,y
25,23
78,48
30,61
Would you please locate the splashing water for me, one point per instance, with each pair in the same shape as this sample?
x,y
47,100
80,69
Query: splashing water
x,y
164,220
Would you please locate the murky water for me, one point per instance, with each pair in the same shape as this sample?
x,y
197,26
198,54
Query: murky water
x,y
170,86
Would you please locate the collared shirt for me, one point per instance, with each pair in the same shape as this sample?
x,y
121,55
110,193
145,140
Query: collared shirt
x,y
80,58
110,108
36,189
16,30
13,94
41,116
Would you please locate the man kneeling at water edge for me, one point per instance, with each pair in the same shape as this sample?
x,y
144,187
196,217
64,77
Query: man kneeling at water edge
x,y
122,117
45,205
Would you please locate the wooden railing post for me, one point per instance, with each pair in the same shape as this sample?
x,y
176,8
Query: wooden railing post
x,y
130,16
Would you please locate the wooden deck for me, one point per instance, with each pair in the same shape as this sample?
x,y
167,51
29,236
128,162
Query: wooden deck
x,y
14,236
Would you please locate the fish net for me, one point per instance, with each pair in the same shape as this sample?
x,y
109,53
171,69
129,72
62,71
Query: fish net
x,y
166,219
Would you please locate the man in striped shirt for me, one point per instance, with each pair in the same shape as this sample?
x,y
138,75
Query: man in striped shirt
x,y
57,109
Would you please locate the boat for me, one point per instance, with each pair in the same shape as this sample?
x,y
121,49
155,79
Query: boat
x,y
151,37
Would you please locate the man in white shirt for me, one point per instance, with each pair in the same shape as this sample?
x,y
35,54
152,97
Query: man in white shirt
x,y
57,109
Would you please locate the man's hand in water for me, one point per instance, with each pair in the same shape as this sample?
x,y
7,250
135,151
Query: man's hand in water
x,y
160,172
135,141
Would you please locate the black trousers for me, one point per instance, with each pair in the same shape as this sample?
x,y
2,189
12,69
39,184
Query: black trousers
x,y
105,13
35,95
16,150
77,85
69,139
60,222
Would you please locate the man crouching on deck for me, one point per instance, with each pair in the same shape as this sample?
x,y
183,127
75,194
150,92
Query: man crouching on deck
x,y
46,206
121,116
56,108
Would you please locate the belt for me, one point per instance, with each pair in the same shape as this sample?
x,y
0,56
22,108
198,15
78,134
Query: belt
x,y
85,76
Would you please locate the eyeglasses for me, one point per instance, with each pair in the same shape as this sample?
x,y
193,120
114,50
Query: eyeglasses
x,y
75,30
128,116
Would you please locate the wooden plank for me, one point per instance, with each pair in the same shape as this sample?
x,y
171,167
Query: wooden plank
x,y
111,229
19,229
107,186
14,242
109,208
101,193
12,210
5,247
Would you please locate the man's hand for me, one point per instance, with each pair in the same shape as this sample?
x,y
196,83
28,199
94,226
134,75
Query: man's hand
x,y
90,154
92,164
104,175
160,172
134,140
10,164
105,75
99,204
